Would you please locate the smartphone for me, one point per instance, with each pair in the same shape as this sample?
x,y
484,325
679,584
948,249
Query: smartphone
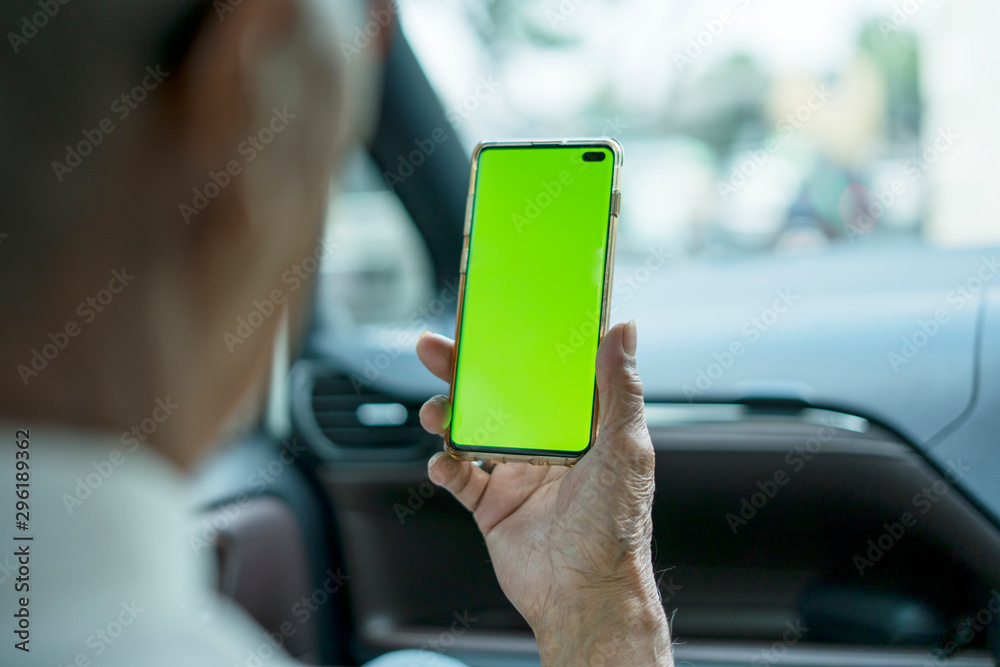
x,y
535,287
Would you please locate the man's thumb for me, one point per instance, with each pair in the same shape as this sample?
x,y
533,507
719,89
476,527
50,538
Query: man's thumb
x,y
619,388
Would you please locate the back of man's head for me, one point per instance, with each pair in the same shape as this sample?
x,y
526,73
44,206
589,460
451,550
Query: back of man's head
x,y
162,164
67,76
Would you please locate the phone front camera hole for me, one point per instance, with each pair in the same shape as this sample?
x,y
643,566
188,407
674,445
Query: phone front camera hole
x,y
593,156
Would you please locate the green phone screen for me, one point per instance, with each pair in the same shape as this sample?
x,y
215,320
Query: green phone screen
x,y
530,318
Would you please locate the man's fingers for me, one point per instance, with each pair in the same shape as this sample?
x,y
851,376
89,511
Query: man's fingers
x,y
463,479
435,415
434,352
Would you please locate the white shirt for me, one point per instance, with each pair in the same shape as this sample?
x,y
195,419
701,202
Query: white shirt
x,y
113,579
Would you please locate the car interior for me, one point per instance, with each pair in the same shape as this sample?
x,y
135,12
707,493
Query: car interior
x,y
819,501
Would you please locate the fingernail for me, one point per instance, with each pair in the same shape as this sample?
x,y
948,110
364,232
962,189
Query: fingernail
x,y
430,464
630,338
426,333
445,405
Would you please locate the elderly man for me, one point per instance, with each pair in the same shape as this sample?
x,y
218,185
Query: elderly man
x,y
170,160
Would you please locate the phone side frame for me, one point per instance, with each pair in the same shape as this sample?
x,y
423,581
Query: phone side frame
x,y
613,211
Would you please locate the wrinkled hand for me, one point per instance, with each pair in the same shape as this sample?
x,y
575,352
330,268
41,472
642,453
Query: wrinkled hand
x,y
570,546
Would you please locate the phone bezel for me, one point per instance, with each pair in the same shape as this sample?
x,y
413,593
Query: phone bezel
x,y
538,456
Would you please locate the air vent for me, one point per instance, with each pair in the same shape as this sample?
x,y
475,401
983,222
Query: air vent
x,y
355,417
347,422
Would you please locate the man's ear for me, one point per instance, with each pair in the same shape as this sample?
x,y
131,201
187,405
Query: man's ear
x,y
217,92
220,94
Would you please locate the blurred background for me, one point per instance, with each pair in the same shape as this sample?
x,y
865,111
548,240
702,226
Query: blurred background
x,y
750,127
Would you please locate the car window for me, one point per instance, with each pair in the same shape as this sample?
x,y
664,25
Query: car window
x,y
378,269
749,126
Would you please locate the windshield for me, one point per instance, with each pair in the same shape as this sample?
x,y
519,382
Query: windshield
x,y
749,126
